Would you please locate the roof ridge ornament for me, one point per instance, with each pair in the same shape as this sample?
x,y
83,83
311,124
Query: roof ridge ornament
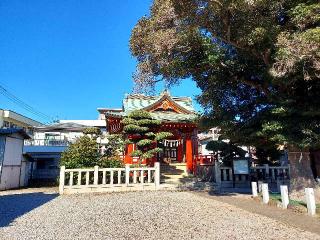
x,y
165,92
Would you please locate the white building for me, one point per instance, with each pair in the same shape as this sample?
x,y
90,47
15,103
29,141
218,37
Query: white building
x,y
205,137
11,119
45,148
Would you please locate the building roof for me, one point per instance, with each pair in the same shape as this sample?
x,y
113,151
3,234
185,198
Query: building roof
x,y
182,109
88,123
19,117
10,131
69,126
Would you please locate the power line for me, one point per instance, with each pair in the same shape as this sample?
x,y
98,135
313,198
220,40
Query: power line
x,y
22,104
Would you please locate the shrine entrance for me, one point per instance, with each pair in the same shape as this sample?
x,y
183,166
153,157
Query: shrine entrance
x,y
170,151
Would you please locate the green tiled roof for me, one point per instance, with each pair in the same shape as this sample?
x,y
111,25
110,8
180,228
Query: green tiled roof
x,y
139,101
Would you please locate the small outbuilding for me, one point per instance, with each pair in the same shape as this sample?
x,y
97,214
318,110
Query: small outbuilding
x,y
13,166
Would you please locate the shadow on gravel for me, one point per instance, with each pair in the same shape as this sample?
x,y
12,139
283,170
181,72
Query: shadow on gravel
x,y
229,192
16,205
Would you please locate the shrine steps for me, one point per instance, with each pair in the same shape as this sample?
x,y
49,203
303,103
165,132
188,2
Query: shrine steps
x,y
174,176
172,172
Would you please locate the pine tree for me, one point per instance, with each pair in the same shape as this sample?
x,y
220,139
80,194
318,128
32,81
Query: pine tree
x,y
143,131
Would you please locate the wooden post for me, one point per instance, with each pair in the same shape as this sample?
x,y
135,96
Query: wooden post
x,y
127,174
284,196
311,202
129,149
254,188
189,154
95,175
265,193
157,175
61,179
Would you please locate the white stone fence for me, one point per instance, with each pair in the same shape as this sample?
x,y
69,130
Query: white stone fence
x,y
309,196
109,179
264,172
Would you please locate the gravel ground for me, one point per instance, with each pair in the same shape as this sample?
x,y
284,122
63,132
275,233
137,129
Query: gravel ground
x,y
134,215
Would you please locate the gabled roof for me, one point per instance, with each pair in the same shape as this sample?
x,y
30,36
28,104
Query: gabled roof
x,y
163,107
140,101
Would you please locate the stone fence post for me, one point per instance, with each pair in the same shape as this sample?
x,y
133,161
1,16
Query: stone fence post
x,y
157,175
265,193
62,179
127,174
311,202
254,189
95,175
284,196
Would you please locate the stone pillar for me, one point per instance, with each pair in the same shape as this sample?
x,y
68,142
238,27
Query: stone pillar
x,y
265,193
189,154
284,196
254,188
62,179
310,199
157,175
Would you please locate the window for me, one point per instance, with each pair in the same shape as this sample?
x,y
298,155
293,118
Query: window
x,y
6,124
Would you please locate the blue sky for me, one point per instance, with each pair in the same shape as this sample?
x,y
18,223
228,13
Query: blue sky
x,y
67,58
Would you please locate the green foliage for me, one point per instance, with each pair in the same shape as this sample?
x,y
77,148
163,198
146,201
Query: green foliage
x,y
150,135
149,122
249,58
140,124
92,131
115,146
136,115
81,154
132,128
110,163
84,153
227,151
163,135
144,143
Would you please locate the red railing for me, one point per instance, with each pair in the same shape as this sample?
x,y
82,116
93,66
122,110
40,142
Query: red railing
x,y
202,160
205,159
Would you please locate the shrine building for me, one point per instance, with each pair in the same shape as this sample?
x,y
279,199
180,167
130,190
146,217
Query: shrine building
x,y
177,116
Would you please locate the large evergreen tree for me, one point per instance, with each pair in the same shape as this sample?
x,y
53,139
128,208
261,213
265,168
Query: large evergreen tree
x,y
257,63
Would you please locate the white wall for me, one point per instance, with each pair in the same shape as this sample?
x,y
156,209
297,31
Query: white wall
x,y
11,167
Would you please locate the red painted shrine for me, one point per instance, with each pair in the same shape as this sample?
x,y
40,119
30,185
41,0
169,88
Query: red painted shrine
x,y
177,116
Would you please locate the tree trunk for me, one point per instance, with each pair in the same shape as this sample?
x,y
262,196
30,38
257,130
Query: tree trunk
x,y
301,175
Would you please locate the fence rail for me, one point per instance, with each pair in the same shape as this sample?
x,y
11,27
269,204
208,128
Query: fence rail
x,y
109,179
271,173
